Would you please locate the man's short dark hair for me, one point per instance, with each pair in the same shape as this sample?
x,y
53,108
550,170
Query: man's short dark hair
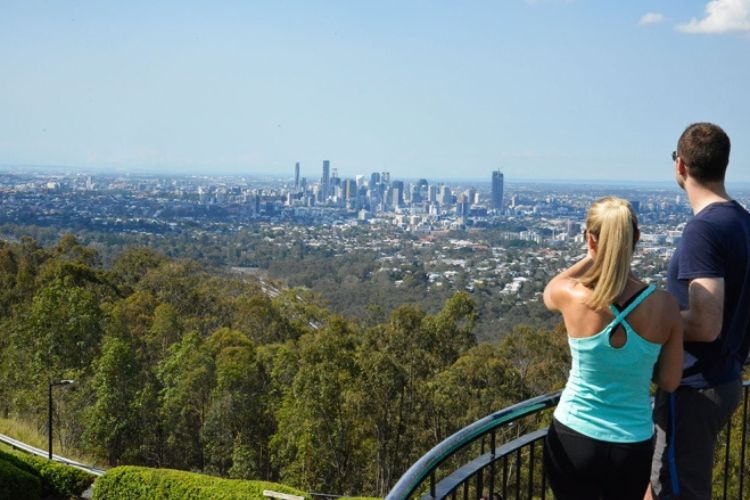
x,y
704,148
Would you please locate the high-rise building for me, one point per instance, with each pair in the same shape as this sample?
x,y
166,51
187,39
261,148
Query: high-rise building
x,y
497,190
445,197
374,179
350,188
432,193
325,181
414,195
398,194
296,175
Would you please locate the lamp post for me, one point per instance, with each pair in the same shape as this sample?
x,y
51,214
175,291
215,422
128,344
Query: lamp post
x,y
49,411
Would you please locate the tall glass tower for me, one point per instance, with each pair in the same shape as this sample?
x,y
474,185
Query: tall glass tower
x,y
497,190
325,181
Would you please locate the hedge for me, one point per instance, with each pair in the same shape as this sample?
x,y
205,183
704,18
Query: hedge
x,y
54,479
130,482
16,482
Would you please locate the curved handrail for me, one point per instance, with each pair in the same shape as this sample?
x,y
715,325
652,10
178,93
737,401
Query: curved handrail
x,y
427,465
417,473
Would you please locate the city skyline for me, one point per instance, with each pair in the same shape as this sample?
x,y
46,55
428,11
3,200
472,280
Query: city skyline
x,y
543,89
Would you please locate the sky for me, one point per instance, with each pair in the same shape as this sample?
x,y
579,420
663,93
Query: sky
x,y
540,89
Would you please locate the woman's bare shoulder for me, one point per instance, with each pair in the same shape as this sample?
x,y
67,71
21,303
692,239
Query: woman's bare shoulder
x,y
666,305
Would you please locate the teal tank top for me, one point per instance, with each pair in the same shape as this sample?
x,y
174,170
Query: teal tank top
x,y
607,395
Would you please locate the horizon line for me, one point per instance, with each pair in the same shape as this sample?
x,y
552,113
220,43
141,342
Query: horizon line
x,y
169,172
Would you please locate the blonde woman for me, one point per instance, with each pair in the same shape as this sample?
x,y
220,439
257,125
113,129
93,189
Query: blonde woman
x,y
621,333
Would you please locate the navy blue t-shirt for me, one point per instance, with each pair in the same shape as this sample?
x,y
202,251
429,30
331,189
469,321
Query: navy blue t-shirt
x,y
716,244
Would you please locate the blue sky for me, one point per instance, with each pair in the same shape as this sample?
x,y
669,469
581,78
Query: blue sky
x,y
545,89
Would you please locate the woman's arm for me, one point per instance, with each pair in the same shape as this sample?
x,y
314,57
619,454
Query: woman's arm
x,y
668,372
553,297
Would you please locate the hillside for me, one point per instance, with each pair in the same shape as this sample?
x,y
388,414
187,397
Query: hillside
x,y
181,366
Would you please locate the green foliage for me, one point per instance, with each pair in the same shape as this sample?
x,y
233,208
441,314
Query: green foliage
x,y
64,326
186,376
52,478
17,482
237,422
540,357
113,428
185,367
318,425
164,484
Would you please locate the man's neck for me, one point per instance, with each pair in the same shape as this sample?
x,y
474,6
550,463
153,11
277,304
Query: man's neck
x,y
702,195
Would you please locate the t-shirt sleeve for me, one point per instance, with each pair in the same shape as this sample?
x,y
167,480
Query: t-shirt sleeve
x,y
701,252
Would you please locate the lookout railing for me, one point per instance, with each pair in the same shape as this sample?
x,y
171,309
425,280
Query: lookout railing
x,y
499,457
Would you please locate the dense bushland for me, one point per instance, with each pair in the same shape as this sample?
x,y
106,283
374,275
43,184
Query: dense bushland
x,y
186,367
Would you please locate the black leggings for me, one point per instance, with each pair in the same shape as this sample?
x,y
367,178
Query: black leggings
x,y
580,468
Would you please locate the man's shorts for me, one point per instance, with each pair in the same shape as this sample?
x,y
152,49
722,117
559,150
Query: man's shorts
x,y
688,422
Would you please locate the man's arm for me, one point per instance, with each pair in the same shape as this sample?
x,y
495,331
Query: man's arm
x,y
702,320
668,369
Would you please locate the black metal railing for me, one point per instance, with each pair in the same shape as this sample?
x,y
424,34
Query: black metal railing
x,y
471,465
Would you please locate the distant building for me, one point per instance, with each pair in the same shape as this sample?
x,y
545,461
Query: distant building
x,y
414,194
296,175
374,179
572,228
325,181
445,197
497,191
432,193
350,189
397,199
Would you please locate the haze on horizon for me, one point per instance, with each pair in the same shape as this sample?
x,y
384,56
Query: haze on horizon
x,y
542,89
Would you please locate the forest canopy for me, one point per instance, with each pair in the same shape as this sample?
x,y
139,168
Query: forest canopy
x,y
185,366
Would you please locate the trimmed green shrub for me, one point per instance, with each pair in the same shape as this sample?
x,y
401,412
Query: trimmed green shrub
x,y
55,479
16,482
60,479
129,482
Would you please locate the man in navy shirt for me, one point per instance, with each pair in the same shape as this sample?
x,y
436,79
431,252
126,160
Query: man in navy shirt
x,y
709,274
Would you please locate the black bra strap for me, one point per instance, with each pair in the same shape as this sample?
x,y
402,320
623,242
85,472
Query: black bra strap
x,y
630,300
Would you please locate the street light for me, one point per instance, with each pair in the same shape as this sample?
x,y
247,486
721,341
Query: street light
x,y
49,411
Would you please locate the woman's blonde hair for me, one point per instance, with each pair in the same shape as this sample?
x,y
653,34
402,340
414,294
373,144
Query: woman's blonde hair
x,y
614,226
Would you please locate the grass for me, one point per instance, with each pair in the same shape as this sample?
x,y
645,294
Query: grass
x,y
31,435
23,432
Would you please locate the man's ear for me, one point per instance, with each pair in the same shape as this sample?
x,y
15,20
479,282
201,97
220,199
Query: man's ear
x,y
681,168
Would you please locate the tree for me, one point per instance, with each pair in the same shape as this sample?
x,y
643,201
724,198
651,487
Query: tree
x,y
237,422
134,263
541,358
64,326
187,378
480,382
319,435
112,426
395,365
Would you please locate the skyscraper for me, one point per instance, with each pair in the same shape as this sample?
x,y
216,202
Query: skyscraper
x,y
398,194
497,190
350,189
325,181
296,175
